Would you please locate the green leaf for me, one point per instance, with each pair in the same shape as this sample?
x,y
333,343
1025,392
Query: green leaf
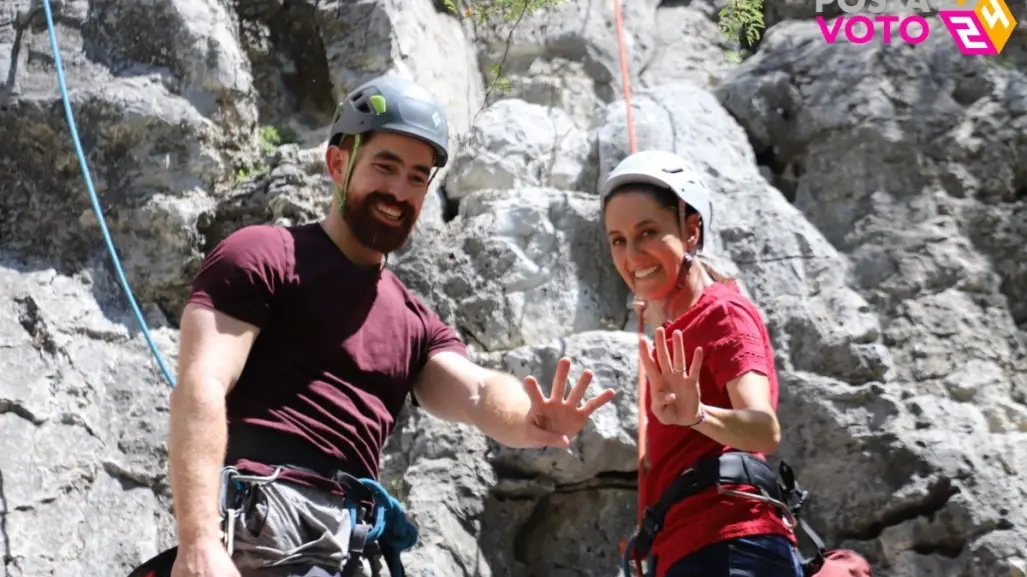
x,y
742,19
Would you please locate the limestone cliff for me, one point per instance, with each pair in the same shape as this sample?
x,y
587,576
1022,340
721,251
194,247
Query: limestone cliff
x,y
872,199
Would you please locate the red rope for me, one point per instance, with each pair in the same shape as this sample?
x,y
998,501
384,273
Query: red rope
x,y
633,148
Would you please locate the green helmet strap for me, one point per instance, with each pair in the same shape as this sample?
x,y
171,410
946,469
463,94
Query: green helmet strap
x,y
340,193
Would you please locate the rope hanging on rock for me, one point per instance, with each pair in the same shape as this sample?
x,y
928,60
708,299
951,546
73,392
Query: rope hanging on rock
x,y
87,177
625,77
629,121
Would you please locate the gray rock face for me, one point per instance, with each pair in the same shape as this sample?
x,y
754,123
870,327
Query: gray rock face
x,y
870,199
923,205
517,267
517,144
83,462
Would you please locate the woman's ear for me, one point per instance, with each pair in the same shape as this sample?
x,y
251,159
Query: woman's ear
x,y
693,232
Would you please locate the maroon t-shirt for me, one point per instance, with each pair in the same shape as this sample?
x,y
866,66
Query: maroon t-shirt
x,y
339,347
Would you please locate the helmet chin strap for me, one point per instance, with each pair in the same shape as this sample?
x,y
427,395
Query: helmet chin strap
x,y
342,191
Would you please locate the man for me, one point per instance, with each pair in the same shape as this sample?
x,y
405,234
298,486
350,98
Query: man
x,y
310,347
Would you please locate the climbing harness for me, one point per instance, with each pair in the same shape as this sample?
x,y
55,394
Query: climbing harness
x,y
781,491
367,539
390,528
381,530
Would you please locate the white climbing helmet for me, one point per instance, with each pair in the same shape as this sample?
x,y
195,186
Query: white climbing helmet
x,y
666,170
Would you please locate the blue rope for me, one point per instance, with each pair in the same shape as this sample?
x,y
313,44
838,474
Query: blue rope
x,y
629,550
391,526
628,559
93,198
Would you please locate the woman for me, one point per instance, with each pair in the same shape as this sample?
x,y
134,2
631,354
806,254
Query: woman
x,y
657,215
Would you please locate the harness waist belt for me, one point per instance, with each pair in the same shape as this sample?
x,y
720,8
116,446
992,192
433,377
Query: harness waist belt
x,y
732,468
277,449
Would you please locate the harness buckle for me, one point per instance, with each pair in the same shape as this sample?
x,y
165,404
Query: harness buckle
x,y
648,528
800,501
762,497
651,523
358,537
793,494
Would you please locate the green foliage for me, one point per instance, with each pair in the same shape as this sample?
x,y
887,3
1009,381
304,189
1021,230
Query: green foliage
x,y
1003,60
270,138
736,56
496,78
486,11
489,13
742,19
250,172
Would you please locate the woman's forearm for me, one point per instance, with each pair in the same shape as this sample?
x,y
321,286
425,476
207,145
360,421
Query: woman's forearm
x,y
742,429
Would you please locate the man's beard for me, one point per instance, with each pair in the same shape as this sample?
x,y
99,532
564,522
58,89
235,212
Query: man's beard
x,y
370,227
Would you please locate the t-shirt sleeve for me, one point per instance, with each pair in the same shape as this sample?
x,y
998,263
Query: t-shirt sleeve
x,y
736,345
440,338
243,273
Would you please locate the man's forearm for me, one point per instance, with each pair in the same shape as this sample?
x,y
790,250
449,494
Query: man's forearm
x,y
501,411
196,447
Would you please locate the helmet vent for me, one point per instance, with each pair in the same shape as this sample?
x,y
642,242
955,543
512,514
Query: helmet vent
x,y
672,170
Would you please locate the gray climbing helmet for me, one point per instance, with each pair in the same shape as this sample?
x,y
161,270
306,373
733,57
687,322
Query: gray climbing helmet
x,y
665,170
388,103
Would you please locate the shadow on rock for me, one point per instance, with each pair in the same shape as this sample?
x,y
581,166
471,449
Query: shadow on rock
x,y
573,531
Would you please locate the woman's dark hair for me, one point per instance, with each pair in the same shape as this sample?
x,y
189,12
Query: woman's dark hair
x,y
666,198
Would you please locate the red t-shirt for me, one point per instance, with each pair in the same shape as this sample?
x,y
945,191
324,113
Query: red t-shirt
x,y
339,347
734,340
